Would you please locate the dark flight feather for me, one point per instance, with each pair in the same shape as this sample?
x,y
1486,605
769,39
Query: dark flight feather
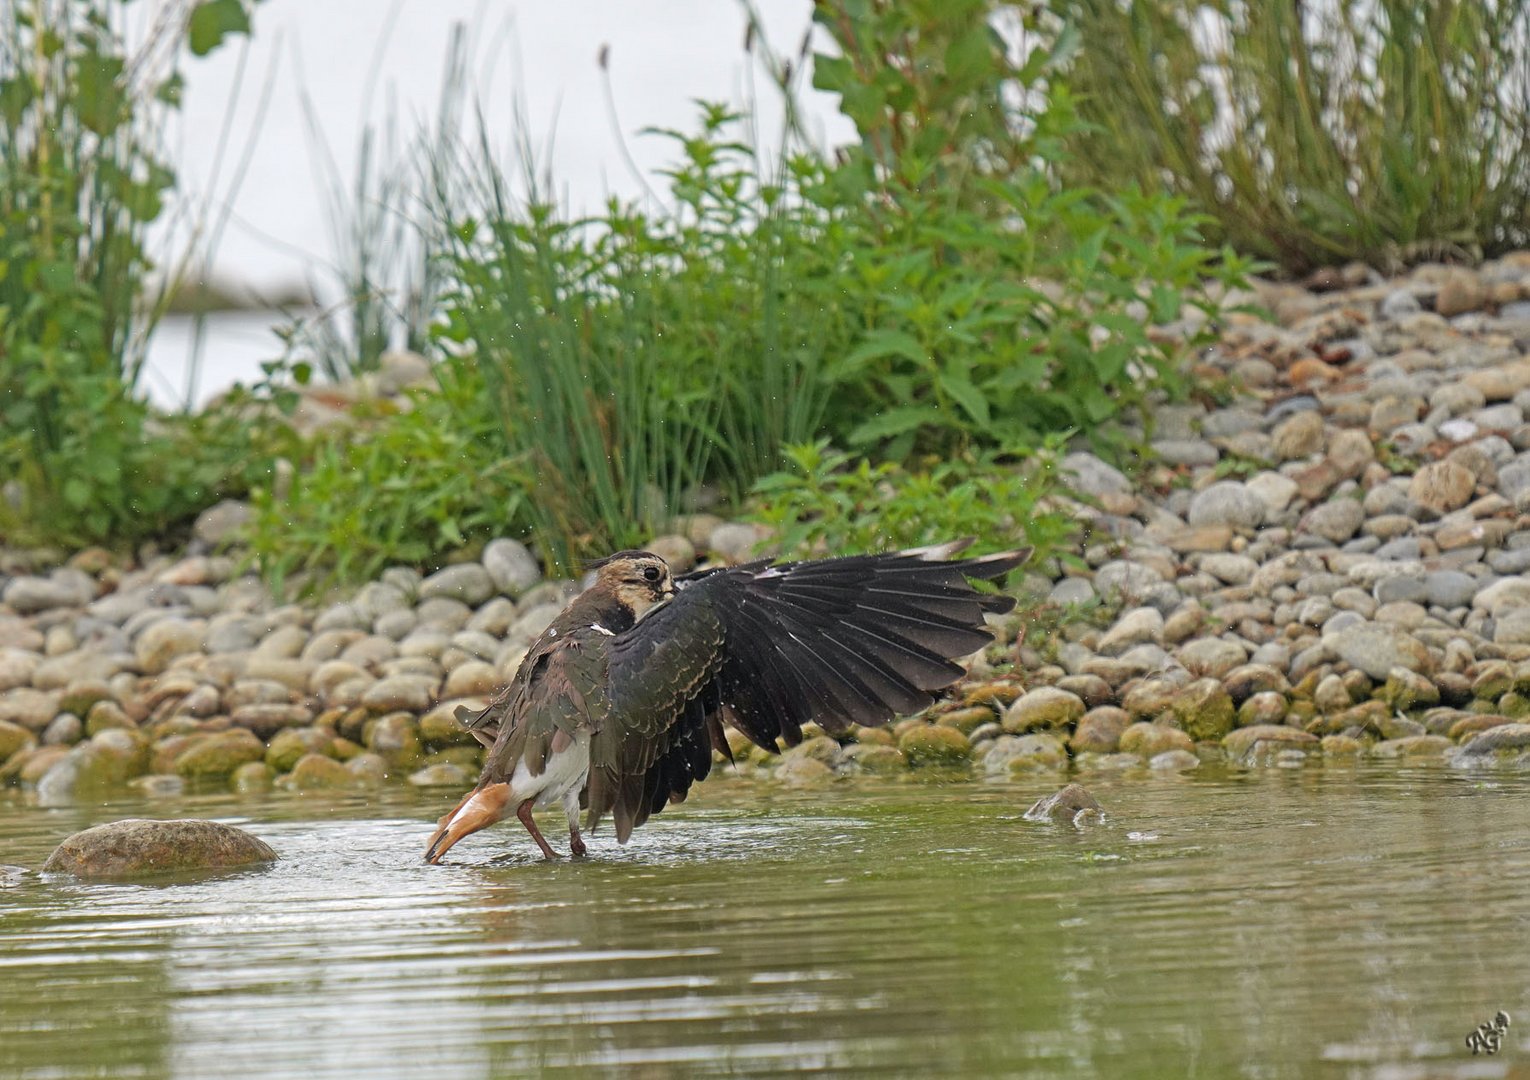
x,y
770,648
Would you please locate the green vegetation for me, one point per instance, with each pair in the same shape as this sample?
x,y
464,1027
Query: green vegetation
x,y
935,292
636,355
81,179
391,486
1380,131
878,345
831,504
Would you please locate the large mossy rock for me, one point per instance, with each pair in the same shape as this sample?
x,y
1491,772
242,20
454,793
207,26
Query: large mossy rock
x,y
139,846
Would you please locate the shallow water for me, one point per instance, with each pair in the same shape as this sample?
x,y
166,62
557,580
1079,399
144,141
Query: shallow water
x,y
1327,921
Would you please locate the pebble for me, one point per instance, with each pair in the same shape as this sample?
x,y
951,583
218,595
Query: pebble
x,y
1227,502
510,566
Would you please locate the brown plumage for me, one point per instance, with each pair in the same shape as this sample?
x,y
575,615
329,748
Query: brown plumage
x,y
620,703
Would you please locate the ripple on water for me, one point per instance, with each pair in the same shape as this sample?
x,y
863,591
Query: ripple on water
x,y
1276,924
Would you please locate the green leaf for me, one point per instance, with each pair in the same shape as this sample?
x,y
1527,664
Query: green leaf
x,y
961,390
894,422
170,90
212,21
99,96
879,344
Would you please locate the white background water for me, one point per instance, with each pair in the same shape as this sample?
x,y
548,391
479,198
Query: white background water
x,y
356,60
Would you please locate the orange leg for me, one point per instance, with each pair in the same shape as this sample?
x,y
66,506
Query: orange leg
x,y
524,813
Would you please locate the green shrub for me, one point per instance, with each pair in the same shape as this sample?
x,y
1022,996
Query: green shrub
x,y
397,485
81,180
993,303
832,504
1361,130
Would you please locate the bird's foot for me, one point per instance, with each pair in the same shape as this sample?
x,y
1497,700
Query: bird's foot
x,y
576,845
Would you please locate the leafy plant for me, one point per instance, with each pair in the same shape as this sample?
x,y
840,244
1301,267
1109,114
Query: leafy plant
x,y
832,504
1361,130
398,485
81,180
993,303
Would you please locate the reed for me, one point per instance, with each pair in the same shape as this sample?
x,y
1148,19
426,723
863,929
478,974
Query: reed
x,y
1379,130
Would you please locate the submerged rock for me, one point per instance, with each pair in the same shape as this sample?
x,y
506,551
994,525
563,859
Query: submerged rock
x,y
1072,804
138,846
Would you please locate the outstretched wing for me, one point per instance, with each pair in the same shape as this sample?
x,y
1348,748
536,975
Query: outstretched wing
x,y
844,641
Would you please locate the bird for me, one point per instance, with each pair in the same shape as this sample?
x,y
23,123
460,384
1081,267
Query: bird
x,y
621,701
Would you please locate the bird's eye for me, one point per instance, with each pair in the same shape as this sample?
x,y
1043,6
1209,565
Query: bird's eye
x,y
651,573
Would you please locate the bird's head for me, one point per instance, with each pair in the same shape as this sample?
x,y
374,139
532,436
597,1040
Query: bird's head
x,y
638,580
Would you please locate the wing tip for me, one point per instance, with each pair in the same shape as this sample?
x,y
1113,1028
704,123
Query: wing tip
x,y
998,562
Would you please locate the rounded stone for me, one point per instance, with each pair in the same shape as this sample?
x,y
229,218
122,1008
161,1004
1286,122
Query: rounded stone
x,y
266,720
1043,707
252,778
291,744
1376,649
675,550
875,759
933,744
1266,707
1073,804
1299,436
1204,709
473,678
406,693
511,566
467,582
1248,680
1227,502
217,756
14,737
736,542
315,772
1212,657
1242,741
1148,740
396,737
137,847
1406,690
166,640
1413,746
223,523
1137,626
1099,730
367,769
65,730
442,774
1442,486
1336,520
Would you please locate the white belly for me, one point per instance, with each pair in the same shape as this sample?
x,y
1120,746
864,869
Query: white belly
x,y
565,773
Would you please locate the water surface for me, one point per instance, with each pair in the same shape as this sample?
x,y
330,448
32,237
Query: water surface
x,y
1327,921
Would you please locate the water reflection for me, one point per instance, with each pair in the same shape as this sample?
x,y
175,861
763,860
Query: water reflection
x,y
1266,924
